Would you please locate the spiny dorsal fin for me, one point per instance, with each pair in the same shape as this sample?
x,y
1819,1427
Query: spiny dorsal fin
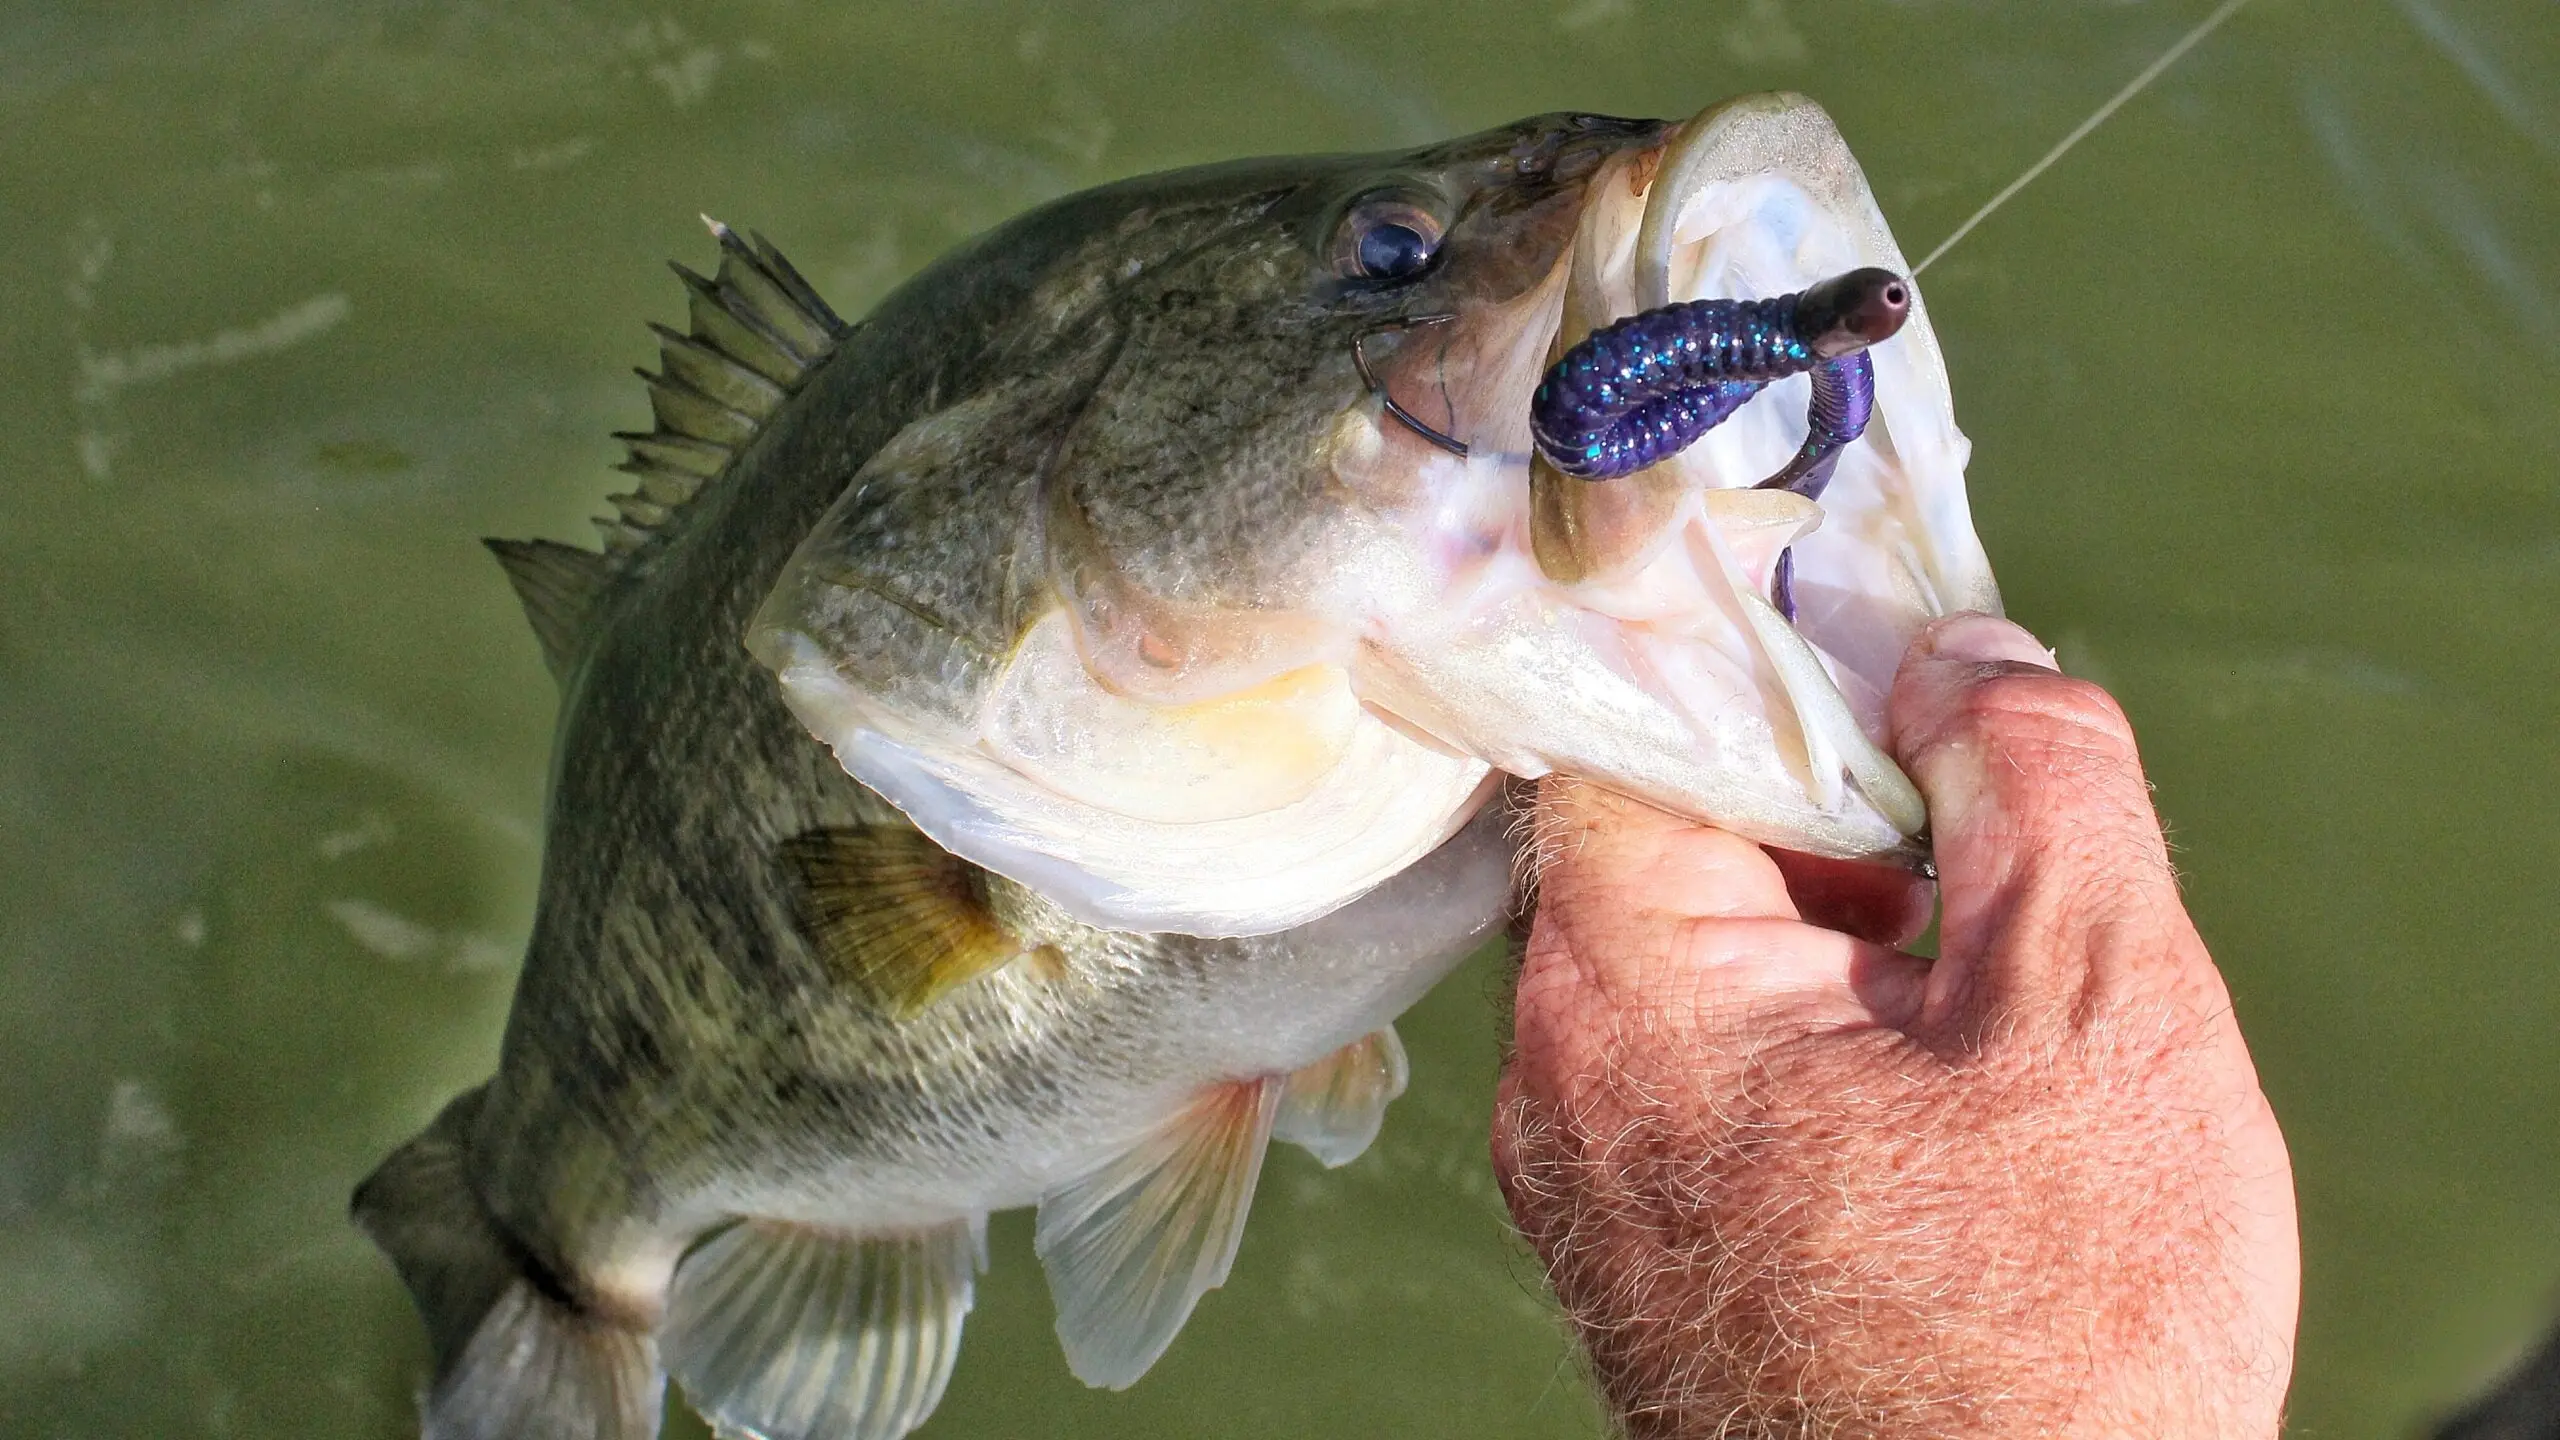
x,y
558,585
757,329
897,916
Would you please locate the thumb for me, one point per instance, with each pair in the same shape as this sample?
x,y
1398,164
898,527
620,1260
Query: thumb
x,y
2056,883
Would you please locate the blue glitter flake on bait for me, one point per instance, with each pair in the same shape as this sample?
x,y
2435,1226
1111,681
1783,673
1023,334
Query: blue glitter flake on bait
x,y
1637,392
1641,390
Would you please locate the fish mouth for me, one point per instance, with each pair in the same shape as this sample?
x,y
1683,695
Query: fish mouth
x,y
1624,630
1753,198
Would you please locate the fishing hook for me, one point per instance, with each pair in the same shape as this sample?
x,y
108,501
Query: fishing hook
x,y
1377,387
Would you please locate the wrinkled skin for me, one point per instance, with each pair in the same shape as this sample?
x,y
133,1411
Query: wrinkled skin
x,y
1790,1181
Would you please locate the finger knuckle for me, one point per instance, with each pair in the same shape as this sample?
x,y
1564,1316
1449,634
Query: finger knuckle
x,y
2053,708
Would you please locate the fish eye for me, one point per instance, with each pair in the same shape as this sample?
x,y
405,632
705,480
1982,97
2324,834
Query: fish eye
x,y
1385,237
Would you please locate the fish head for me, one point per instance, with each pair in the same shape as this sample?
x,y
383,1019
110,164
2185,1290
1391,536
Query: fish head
x,y
1235,583
1197,521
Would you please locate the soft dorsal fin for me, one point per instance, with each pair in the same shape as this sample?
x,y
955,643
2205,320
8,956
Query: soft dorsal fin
x,y
757,330
558,585
896,915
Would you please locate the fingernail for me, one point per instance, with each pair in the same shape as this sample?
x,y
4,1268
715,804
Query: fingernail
x,y
1987,639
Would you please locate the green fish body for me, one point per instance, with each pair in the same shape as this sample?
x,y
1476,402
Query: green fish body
x,y
1092,554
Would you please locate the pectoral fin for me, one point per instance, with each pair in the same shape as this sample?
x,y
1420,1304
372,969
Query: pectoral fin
x,y
1132,1247
791,1332
1333,1108
897,916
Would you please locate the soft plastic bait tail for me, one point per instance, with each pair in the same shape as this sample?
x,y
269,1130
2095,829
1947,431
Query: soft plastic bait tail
x,y
1641,390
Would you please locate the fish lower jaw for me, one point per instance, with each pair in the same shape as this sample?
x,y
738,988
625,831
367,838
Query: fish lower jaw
x,y
1662,678
1684,711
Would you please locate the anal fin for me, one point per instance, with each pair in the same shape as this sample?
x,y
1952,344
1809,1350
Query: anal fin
x,y
895,914
1333,1108
790,1332
1130,1248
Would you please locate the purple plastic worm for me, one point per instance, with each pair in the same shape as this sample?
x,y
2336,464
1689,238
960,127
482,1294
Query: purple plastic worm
x,y
1643,389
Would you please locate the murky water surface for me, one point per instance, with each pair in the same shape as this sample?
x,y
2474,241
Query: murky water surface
x,y
306,297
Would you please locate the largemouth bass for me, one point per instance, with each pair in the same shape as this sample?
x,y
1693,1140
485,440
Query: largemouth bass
x,y
1027,747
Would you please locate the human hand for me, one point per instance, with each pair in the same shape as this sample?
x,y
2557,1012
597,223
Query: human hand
x,y
1788,1180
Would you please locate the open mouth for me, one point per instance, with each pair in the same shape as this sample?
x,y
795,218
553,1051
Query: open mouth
x,y
1677,630
1760,197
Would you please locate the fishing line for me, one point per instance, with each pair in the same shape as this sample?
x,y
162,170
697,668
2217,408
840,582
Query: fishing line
x,y
2098,117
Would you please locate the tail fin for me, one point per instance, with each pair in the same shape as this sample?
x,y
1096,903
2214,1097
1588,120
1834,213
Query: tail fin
x,y
515,1358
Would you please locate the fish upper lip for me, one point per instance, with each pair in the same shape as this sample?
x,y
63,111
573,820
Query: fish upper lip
x,y
1676,175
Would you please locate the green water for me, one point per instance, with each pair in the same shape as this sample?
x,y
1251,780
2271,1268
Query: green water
x,y
305,297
